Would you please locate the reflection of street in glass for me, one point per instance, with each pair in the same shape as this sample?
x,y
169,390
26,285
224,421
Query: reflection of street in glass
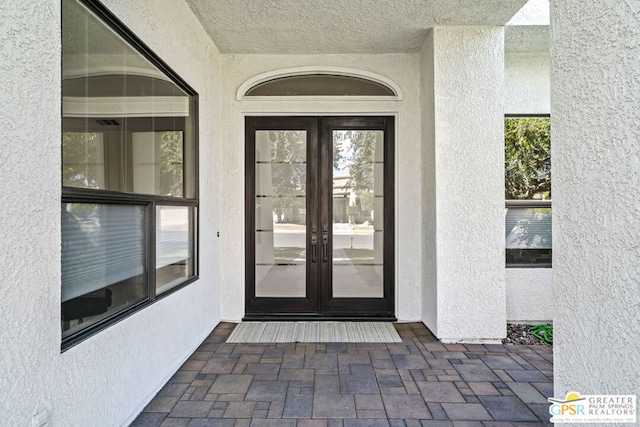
x,y
337,228
356,256
356,270
291,256
345,236
288,256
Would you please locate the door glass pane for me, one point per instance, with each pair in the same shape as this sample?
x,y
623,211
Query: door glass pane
x,y
358,183
281,217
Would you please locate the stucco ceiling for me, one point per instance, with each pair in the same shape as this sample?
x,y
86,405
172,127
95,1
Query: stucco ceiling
x,y
339,26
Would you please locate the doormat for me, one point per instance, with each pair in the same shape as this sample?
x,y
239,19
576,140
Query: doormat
x,y
314,332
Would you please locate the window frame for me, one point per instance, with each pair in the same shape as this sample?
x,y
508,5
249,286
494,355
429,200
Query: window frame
x,y
527,203
150,201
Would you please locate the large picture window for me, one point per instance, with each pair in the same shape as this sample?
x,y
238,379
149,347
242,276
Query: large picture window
x,y
528,191
129,173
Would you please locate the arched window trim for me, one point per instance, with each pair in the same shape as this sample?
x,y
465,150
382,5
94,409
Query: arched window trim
x,y
304,71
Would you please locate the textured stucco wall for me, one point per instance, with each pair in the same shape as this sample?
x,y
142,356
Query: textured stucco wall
x,y
596,213
402,69
527,91
429,217
107,379
469,156
529,295
30,217
527,83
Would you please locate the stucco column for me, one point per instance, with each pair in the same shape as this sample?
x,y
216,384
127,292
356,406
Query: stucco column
x,y
595,93
463,157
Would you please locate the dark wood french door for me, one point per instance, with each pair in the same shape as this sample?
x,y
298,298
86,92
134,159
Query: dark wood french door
x,y
319,217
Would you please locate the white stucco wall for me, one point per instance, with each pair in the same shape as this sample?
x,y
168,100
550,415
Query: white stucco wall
x,y
596,244
403,69
527,83
529,295
30,217
429,217
107,379
468,158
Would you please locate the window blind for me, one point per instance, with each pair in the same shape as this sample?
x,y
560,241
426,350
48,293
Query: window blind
x,y
101,245
528,228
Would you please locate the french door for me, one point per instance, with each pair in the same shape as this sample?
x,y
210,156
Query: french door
x,y
319,223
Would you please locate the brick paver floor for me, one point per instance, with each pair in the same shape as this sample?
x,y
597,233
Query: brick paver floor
x,y
419,382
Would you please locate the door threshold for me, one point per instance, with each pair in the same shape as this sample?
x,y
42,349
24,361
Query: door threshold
x,y
319,318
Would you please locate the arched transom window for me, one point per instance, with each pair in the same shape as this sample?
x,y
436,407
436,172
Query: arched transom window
x,y
309,82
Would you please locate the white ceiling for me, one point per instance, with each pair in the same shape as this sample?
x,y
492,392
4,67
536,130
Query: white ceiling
x,y
339,26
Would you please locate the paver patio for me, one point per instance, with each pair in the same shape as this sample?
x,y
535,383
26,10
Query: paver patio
x,y
419,382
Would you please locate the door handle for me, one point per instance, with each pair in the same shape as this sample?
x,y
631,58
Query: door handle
x,y
325,243
325,248
314,249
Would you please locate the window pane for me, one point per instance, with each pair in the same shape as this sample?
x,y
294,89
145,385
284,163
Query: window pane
x,y
528,235
157,163
528,177
528,228
104,261
529,258
320,85
83,159
527,158
144,119
174,246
